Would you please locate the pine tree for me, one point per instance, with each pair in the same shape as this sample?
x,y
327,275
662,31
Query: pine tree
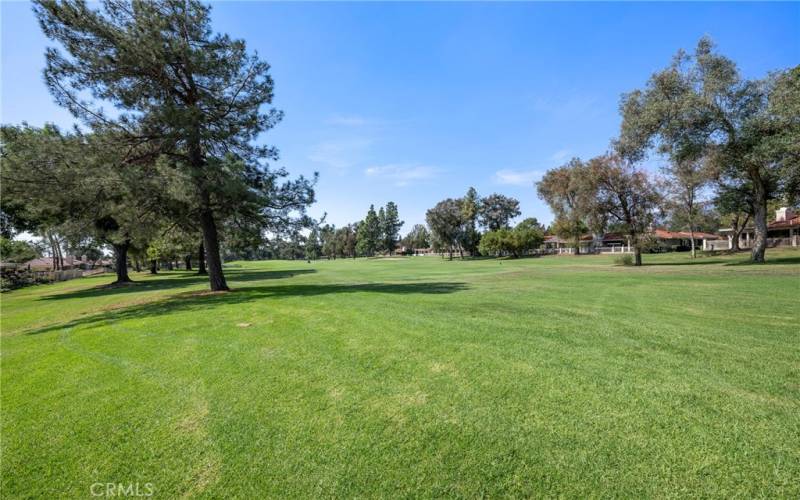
x,y
382,234
391,227
368,234
194,96
313,246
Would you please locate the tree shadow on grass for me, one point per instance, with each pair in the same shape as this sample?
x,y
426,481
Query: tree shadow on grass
x,y
203,301
172,280
776,260
701,261
695,262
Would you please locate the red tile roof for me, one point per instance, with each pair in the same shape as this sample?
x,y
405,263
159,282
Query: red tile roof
x,y
681,235
785,224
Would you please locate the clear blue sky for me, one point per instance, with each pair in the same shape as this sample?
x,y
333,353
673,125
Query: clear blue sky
x,y
415,102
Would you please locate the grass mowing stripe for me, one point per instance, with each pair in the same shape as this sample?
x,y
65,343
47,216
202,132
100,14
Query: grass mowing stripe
x,y
413,377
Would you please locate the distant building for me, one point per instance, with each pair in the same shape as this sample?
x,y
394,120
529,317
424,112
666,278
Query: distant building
x,y
784,230
620,243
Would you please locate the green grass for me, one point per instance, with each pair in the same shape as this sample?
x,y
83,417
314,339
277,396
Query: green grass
x,y
558,376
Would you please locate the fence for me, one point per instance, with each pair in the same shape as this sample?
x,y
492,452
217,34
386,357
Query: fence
x,y
780,242
15,277
716,245
63,275
744,243
613,249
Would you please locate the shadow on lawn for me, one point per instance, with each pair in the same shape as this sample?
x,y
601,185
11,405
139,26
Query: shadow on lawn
x,y
777,260
696,262
174,279
203,301
702,261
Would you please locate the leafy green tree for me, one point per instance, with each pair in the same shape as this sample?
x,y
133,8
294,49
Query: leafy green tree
x,y
495,243
701,107
570,193
706,218
87,187
417,238
470,208
496,210
346,240
194,96
532,224
155,252
447,225
328,241
526,236
735,208
684,183
313,246
627,196
17,251
570,229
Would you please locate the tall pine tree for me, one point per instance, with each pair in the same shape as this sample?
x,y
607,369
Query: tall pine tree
x,y
368,233
391,227
196,95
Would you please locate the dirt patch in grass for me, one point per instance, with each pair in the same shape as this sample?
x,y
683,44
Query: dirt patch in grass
x,y
194,422
203,476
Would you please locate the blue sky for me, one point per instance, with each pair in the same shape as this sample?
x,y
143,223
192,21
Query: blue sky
x,y
416,102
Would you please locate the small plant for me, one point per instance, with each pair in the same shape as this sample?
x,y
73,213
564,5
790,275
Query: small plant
x,y
624,260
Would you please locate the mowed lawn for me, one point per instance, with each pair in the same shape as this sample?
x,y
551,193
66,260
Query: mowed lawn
x,y
411,377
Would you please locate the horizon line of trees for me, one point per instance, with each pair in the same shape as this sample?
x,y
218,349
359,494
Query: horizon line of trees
x,y
174,173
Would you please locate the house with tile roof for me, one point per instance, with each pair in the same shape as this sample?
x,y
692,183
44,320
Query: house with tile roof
x,y
620,243
784,230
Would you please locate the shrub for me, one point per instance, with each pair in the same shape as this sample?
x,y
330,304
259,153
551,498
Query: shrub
x,y
624,260
516,242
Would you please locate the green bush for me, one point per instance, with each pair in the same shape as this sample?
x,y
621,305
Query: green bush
x,y
624,260
515,242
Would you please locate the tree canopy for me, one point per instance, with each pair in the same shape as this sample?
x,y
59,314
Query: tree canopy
x,y
701,107
194,97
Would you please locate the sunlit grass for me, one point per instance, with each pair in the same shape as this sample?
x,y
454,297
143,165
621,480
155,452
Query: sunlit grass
x,y
411,377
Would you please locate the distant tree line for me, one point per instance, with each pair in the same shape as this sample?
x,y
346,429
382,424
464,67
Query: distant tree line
x,y
174,177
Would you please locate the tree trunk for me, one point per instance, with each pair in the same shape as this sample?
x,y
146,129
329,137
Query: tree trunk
x,y
201,260
736,232
60,255
169,265
760,222
153,266
137,265
691,232
637,250
53,251
211,245
188,262
121,262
